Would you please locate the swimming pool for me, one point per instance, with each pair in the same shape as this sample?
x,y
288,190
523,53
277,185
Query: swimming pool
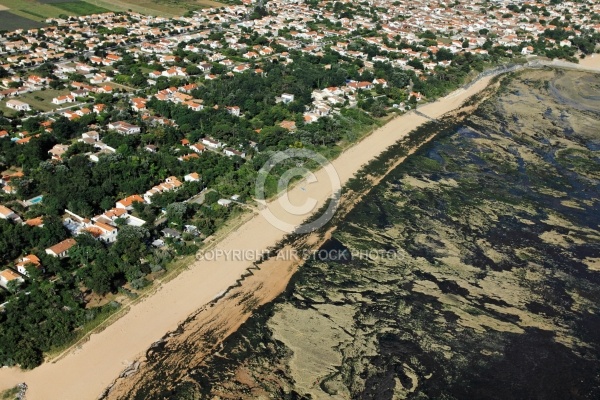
x,y
34,200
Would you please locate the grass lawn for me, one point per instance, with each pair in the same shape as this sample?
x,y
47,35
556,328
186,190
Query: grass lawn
x,y
7,112
46,96
120,86
146,70
205,3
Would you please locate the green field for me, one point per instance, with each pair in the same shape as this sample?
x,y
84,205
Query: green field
x,y
31,12
163,8
5,111
31,9
10,22
80,8
39,100
42,99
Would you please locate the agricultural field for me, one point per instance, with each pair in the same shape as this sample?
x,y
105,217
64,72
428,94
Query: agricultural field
x,y
80,8
164,8
10,22
27,14
31,9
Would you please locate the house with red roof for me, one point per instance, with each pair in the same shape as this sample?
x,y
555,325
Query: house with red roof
x,y
8,275
30,260
61,249
127,202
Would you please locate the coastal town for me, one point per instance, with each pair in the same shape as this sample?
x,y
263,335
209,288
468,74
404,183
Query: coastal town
x,y
127,140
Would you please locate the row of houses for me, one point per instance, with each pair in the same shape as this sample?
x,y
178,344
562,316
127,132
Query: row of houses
x,y
170,184
22,265
211,144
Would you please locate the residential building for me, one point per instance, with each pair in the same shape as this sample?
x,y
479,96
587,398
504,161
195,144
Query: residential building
x,y
124,128
63,99
61,249
8,275
18,105
30,260
229,152
7,213
192,177
211,143
57,151
287,98
198,148
127,202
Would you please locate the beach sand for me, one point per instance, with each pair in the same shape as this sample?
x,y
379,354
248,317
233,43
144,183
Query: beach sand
x,y
86,371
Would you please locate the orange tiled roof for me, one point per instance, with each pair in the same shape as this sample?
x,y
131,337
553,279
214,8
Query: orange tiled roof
x,y
62,246
127,201
35,221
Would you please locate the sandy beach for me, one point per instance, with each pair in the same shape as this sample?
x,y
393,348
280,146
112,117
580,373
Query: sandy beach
x,y
88,370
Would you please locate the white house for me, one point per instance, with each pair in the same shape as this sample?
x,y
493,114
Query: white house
x,y
29,260
224,202
171,233
63,99
7,213
124,128
61,249
234,110
91,135
58,150
175,71
192,177
287,98
194,105
155,74
198,148
213,144
138,104
171,183
103,231
9,275
18,105
381,82
205,67
127,202
527,50
111,215
229,152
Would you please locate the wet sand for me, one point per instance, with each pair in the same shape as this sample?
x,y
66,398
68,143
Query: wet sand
x,y
88,370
